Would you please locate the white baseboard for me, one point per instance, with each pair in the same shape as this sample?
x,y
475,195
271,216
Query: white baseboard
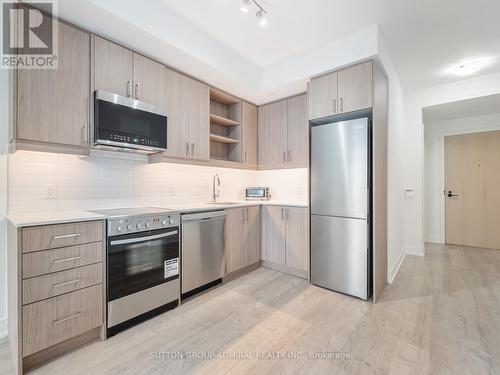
x,y
415,251
3,328
395,268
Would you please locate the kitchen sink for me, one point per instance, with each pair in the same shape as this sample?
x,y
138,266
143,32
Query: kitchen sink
x,y
224,203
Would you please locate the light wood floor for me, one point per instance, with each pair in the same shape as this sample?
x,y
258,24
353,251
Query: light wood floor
x,y
440,316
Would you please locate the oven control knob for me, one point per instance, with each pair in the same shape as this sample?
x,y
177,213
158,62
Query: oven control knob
x,y
130,227
171,221
139,225
164,222
119,229
148,225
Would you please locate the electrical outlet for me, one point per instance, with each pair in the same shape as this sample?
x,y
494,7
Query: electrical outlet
x,y
50,192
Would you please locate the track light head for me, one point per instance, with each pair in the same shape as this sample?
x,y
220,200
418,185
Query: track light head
x,y
261,18
245,6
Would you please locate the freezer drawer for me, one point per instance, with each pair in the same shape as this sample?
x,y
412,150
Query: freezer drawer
x,y
339,169
339,254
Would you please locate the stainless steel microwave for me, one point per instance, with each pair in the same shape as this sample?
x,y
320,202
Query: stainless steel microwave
x,y
257,193
129,124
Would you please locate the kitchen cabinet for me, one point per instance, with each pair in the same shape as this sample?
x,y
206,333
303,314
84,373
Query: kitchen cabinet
x,y
355,87
283,134
249,136
113,67
54,105
187,103
297,133
286,239
347,90
242,238
121,71
272,122
322,93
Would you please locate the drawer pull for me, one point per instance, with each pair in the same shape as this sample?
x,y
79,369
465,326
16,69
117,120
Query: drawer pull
x,y
66,259
66,283
66,236
67,318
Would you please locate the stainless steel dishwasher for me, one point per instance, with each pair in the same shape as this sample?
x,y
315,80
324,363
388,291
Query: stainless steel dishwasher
x,y
202,255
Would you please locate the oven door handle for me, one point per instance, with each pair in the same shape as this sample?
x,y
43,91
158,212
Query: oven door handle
x,y
142,239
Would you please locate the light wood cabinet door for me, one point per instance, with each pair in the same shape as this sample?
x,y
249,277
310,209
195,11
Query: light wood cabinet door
x,y
274,243
149,80
54,105
113,69
193,118
252,238
272,124
235,239
297,238
297,132
177,125
322,95
355,87
249,136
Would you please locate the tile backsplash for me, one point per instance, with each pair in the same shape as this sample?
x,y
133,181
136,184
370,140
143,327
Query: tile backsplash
x,y
50,182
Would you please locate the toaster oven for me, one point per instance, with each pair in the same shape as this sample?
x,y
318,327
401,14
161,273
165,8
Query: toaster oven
x,y
257,193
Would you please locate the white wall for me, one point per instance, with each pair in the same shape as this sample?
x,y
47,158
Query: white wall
x,y
395,165
434,166
91,182
4,113
413,150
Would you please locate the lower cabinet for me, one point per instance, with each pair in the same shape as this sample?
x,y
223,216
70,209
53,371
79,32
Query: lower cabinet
x,y
242,238
285,239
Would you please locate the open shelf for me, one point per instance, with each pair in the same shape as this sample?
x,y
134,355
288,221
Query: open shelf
x,y
220,97
219,120
222,139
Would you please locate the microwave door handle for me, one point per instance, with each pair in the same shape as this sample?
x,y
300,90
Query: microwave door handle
x,y
143,239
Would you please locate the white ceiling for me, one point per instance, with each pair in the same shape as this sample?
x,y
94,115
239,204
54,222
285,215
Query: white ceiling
x,y
424,37
484,105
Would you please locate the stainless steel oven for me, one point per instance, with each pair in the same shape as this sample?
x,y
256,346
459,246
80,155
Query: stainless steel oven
x,y
129,124
142,267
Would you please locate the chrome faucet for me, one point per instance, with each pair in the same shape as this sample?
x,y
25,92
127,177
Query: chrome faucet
x,y
215,195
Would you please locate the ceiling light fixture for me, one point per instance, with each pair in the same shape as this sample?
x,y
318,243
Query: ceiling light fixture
x,y
468,67
261,12
245,5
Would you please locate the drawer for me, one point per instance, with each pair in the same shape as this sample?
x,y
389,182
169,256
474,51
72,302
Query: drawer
x,y
48,261
43,287
55,320
60,235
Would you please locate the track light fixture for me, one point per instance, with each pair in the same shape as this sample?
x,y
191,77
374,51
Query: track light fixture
x,y
261,12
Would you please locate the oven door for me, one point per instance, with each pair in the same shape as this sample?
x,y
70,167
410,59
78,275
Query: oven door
x,y
128,123
139,261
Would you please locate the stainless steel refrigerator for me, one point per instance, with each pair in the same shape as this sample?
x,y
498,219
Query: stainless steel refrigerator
x,y
340,206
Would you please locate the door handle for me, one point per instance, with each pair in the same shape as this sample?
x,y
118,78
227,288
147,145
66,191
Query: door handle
x,y
452,195
341,104
334,105
284,157
129,89
137,90
289,153
192,149
187,149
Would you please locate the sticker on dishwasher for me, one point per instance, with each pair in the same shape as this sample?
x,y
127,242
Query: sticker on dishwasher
x,y
171,267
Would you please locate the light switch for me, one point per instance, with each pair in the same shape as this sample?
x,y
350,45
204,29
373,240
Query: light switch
x,y
409,193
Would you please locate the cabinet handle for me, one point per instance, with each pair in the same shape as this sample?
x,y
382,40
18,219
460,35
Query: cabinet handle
x,y
129,89
66,236
192,149
242,216
287,214
84,135
284,157
334,105
282,213
66,259
137,90
67,318
187,149
341,104
66,283
245,156
289,156
246,212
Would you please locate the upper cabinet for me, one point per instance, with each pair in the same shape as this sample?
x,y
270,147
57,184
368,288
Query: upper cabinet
x,y
54,105
283,134
121,71
113,67
249,134
347,90
187,104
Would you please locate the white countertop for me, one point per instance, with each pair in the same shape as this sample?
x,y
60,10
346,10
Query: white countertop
x,y
45,218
